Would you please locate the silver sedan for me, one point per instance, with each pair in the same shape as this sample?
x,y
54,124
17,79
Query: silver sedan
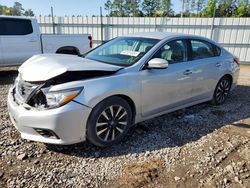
x,y
64,99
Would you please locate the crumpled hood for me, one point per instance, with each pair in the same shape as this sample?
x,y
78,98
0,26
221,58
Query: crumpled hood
x,y
47,66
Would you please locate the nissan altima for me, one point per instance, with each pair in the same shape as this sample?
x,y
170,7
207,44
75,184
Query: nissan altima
x,y
63,99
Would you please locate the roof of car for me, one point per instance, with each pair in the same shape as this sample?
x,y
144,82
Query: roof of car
x,y
17,17
158,35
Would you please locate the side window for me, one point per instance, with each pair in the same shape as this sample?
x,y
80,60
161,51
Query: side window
x,y
1,28
217,51
16,27
174,52
203,49
144,47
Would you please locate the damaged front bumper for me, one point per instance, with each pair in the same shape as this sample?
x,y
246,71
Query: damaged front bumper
x,y
64,125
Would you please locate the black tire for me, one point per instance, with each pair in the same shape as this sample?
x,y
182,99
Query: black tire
x,y
222,90
109,122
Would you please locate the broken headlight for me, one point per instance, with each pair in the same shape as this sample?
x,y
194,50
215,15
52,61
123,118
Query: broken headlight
x,y
59,98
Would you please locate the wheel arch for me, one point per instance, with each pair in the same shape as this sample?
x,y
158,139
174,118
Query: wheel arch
x,y
128,99
68,50
229,76
130,102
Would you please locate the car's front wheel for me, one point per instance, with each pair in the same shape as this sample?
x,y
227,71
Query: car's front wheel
x,y
109,122
222,90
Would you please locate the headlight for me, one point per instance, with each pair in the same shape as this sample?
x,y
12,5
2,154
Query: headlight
x,y
59,98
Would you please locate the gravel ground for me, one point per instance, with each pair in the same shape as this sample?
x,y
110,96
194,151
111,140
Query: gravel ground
x,y
200,146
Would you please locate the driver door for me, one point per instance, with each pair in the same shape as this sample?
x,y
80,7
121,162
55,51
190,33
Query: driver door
x,y
164,89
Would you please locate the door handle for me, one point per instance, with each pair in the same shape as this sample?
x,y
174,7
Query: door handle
x,y
218,64
187,72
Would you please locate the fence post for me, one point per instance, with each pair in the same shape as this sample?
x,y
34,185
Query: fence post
x,y
101,25
59,25
53,22
212,26
155,24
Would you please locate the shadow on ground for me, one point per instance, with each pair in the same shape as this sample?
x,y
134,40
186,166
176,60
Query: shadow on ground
x,y
167,131
171,130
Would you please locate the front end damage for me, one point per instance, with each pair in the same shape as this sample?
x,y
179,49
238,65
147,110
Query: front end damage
x,y
32,112
34,95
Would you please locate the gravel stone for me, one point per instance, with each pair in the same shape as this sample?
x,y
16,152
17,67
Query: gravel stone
x,y
176,178
22,156
203,145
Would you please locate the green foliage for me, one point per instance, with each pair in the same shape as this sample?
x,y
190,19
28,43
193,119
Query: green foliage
x,y
243,9
150,7
192,8
166,8
208,11
226,8
108,6
15,10
29,12
4,10
118,8
132,8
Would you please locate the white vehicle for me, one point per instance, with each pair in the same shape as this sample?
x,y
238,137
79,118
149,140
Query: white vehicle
x,y
20,39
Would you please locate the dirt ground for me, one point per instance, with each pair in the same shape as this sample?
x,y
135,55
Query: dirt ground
x,y
222,160
201,146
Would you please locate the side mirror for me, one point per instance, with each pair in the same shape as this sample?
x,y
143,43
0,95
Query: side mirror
x,y
157,63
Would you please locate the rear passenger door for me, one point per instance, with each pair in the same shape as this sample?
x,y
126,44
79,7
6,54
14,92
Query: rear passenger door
x,y
205,63
18,40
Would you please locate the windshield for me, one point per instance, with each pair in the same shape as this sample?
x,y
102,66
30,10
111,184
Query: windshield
x,y
122,51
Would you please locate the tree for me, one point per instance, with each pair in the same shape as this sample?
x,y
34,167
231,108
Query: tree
x,y
132,8
29,12
150,7
226,8
108,6
4,10
243,9
193,5
208,11
166,8
118,8
196,7
16,10
200,5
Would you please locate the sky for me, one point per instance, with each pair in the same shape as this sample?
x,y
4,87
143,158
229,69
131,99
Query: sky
x,y
69,7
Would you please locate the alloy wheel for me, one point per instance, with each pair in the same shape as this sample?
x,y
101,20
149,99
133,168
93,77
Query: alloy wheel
x,y
222,90
111,123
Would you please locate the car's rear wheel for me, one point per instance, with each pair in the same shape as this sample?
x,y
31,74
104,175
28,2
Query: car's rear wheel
x,y
109,122
222,90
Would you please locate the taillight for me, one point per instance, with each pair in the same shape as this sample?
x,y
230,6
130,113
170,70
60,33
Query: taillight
x,y
237,60
90,41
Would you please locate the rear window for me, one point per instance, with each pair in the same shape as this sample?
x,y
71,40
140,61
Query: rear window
x,y
10,26
203,49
